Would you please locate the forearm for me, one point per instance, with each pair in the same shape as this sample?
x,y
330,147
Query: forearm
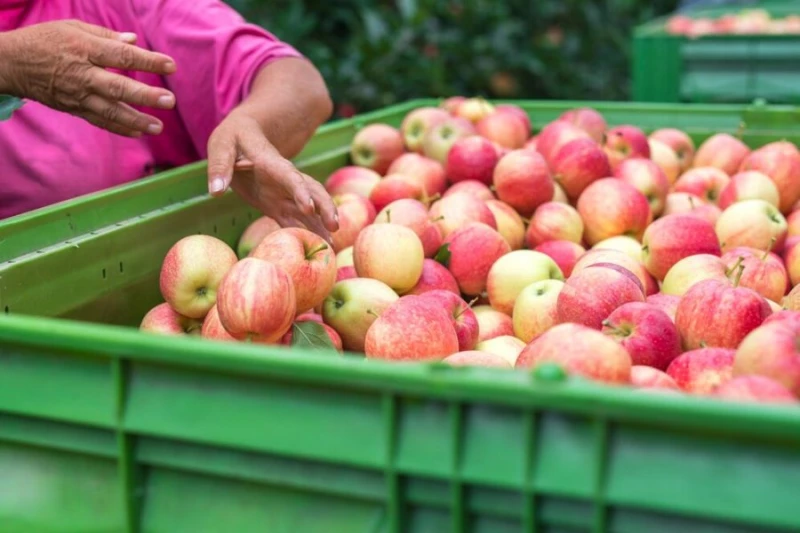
x,y
289,100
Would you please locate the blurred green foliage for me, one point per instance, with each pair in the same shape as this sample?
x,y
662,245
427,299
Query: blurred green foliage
x,y
376,53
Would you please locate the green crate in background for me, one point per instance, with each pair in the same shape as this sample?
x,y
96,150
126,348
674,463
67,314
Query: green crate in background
x,y
103,428
716,68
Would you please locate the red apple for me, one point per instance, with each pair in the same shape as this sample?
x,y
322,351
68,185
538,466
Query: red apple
x,y
479,190
577,165
754,389
505,128
336,340
353,305
508,347
513,272
704,182
254,234
781,162
772,351
682,203
532,143
666,302
213,328
625,142
587,119
646,332
784,315
793,222
702,371
413,215
763,271
471,158
423,171
646,177
693,269
749,185
554,221
455,211
440,138
611,207
666,159
753,223
594,257
451,104
791,258
355,213
673,237
390,253
395,187
345,272
163,319
589,296
418,123
434,277
473,250
680,142
376,146
492,323
464,320
476,358
535,309
518,112
522,180
566,254
352,179
192,271
722,151
647,377
557,134
474,109
509,224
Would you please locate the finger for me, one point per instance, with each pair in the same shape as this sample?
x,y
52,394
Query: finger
x,y
116,54
119,88
325,206
243,165
221,159
122,115
100,31
101,122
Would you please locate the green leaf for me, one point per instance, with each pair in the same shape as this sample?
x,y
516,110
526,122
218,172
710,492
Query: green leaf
x,y
310,334
8,104
443,255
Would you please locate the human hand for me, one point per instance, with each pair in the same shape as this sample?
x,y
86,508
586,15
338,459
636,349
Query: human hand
x,y
62,64
241,157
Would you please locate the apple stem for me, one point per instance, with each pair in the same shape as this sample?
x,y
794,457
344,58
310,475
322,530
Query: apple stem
x,y
738,276
437,219
703,344
373,313
729,271
431,199
469,306
691,202
316,249
769,249
389,216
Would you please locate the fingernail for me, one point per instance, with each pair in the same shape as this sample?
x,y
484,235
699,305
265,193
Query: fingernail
x,y
154,129
128,37
166,101
217,185
170,67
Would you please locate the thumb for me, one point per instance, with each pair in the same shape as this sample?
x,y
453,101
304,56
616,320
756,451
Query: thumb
x,y
221,158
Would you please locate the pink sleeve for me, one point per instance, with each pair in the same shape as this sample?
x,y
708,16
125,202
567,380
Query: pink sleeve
x,y
218,55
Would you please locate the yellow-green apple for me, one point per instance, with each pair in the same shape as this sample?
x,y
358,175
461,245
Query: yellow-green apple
x,y
722,151
507,346
647,377
673,237
257,301
593,257
781,162
308,260
513,272
754,389
451,104
646,177
793,223
426,172
749,185
679,141
566,254
345,257
440,138
455,211
213,328
666,302
417,123
412,329
772,351
395,187
763,271
646,332
713,313
352,179
559,195
535,309
519,113
474,109
414,215
355,213
464,320
376,146
611,207
165,320
478,189
578,164
509,224
554,221
791,258
666,159
625,142
556,135
704,182
505,128
522,180
581,351
471,158
473,250
334,337
622,243
587,119
390,253
701,371
693,269
192,271
589,296
754,223
435,276
353,305
254,233
492,323
477,358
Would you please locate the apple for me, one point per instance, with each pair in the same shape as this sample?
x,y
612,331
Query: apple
x,y
587,119
532,143
682,203
508,347
254,233
622,243
455,211
704,182
666,159
701,371
522,180
749,185
395,187
440,138
192,271
559,195
646,332
791,258
505,128
792,300
414,215
355,213
256,300
345,257
793,223
477,358
473,250
578,164
165,320
557,134
517,112
554,221
425,172
666,302
418,123
492,323
674,237
781,162
535,309
509,224
434,277
722,151
763,271
471,158
474,109
589,296
693,269
352,179
478,189
451,104
213,329
412,329
376,146
345,272
308,260
593,257
390,253
513,272
625,142
579,350
566,254
679,141
713,313
611,207
647,377
334,337
772,351
465,322
754,389
646,177
753,223
784,315
353,305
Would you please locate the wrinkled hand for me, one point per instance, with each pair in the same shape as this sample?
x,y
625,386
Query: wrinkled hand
x,y
62,64
241,157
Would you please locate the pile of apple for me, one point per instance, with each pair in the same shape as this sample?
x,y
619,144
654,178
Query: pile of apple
x,y
635,261
746,22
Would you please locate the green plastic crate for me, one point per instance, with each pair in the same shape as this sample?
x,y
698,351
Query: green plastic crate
x,y
716,68
105,429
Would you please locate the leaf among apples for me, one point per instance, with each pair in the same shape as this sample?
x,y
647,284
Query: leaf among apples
x,y
311,335
443,255
8,104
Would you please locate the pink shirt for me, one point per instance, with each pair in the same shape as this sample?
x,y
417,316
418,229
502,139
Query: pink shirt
x,y
47,156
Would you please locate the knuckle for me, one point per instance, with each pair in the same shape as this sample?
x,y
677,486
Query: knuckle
x,y
116,88
127,57
111,113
